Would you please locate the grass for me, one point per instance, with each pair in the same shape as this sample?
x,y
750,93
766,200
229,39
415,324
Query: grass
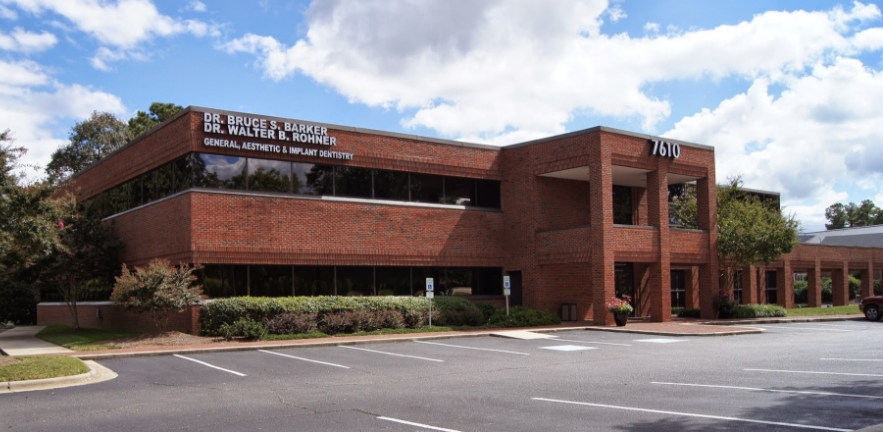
x,y
84,339
836,310
39,367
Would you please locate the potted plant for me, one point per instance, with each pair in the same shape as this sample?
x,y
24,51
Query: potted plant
x,y
724,304
621,309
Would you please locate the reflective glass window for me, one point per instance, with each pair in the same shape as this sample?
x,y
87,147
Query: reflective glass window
x,y
320,180
219,171
391,185
269,175
489,281
459,281
622,205
427,188
299,178
355,281
164,181
313,280
353,182
219,281
488,193
270,281
393,281
182,173
460,191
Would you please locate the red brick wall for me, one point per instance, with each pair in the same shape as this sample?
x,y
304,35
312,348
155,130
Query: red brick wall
x,y
114,318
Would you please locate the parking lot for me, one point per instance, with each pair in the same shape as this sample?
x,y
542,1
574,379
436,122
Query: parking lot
x,y
820,376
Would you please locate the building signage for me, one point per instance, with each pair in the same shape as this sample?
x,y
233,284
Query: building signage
x,y
666,149
242,128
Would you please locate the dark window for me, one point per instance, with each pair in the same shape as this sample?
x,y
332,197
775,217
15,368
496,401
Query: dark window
x,y
459,282
299,178
164,181
488,193
678,288
427,188
489,281
220,281
217,171
391,185
622,205
355,281
418,280
460,191
353,182
313,280
737,286
771,284
270,281
183,173
320,180
269,175
393,281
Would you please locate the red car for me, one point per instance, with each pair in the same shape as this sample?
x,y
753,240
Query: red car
x,y
872,307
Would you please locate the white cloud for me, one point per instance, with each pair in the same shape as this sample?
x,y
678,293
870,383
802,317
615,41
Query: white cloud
x,y
486,68
651,27
197,6
823,130
26,42
32,104
120,27
7,13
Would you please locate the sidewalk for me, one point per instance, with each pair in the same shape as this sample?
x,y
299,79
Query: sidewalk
x,y
22,341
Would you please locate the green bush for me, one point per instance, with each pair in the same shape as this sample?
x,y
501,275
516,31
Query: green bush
x,y
457,311
291,323
800,292
391,319
520,316
487,310
218,312
688,313
758,311
243,327
855,287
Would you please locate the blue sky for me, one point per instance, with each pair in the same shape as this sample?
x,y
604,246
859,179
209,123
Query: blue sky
x,y
786,91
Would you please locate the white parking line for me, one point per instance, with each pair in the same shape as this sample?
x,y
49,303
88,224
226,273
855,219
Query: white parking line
x,y
771,390
853,360
425,426
812,372
713,417
837,325
391,354
304,359
209,365
592,342
809,328
473,348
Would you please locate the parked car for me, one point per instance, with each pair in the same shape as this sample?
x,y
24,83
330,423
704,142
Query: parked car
x,y
872,307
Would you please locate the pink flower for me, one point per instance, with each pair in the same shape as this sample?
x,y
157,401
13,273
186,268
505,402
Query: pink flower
x,y
61,224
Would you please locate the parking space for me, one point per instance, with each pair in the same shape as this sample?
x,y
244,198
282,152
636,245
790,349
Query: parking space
x,y
789,378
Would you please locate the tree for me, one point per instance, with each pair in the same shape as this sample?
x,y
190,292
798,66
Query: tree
x,y
158,290
158,113
87,255
851,215
750,233
90,141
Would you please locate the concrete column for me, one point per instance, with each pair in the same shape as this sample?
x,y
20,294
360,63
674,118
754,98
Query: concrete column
x,y
657,216
785,285
709,281
840,285
749,285
868,280
814,285
691,291
601,196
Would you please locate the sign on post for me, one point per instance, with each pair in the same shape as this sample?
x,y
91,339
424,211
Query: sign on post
x,y
429,295
507,290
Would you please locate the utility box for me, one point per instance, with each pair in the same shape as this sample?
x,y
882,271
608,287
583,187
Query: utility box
x,y
568,312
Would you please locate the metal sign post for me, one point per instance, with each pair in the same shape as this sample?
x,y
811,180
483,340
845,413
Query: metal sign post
x,y
429,296
507,290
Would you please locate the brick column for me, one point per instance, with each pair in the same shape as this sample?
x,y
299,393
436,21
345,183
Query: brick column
x,y
691,291
657,216
749,285
785,285
601,197
840,285
709,280
868,280
761,285
814,285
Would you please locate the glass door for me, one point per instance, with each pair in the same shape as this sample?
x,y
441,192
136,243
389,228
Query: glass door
x,y
624,280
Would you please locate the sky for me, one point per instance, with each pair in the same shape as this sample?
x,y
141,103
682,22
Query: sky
x,y
786,91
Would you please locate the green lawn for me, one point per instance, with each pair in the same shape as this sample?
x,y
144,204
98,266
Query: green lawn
x,y
83,339
38,367
836,310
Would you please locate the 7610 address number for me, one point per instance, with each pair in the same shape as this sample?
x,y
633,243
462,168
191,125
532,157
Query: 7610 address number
x,y
666,149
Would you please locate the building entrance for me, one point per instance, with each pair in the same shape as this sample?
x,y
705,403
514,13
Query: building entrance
x,y
625,283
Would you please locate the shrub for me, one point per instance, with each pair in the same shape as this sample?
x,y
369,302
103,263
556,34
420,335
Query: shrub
x,y
291,323
688,313
487,311
800,292
758,311
364,320
390,318
246,328
457,311
520,316
855,286
158,290
336,322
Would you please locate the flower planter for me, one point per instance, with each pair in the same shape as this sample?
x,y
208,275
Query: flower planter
x,y
621,319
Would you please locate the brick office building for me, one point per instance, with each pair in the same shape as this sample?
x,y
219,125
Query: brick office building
x,y
277,207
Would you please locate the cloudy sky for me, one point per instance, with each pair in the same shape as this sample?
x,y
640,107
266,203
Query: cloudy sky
x,y
786,91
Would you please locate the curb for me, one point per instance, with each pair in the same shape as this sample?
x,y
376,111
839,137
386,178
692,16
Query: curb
x,y
97,373
786,320
672,334
874,428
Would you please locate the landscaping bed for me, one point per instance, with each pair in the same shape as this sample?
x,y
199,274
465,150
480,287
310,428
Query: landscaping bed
x,y
39,367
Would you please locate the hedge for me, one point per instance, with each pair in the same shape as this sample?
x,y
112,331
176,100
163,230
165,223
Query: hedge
x,y
758,311
520,316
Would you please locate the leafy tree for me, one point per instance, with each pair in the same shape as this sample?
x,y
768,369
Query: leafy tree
x,y
90,141
158,290
750,233
851,215
87,255
158,113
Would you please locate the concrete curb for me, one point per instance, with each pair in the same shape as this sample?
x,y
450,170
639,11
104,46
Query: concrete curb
x,y
97,373
874,428
786,320
673,334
